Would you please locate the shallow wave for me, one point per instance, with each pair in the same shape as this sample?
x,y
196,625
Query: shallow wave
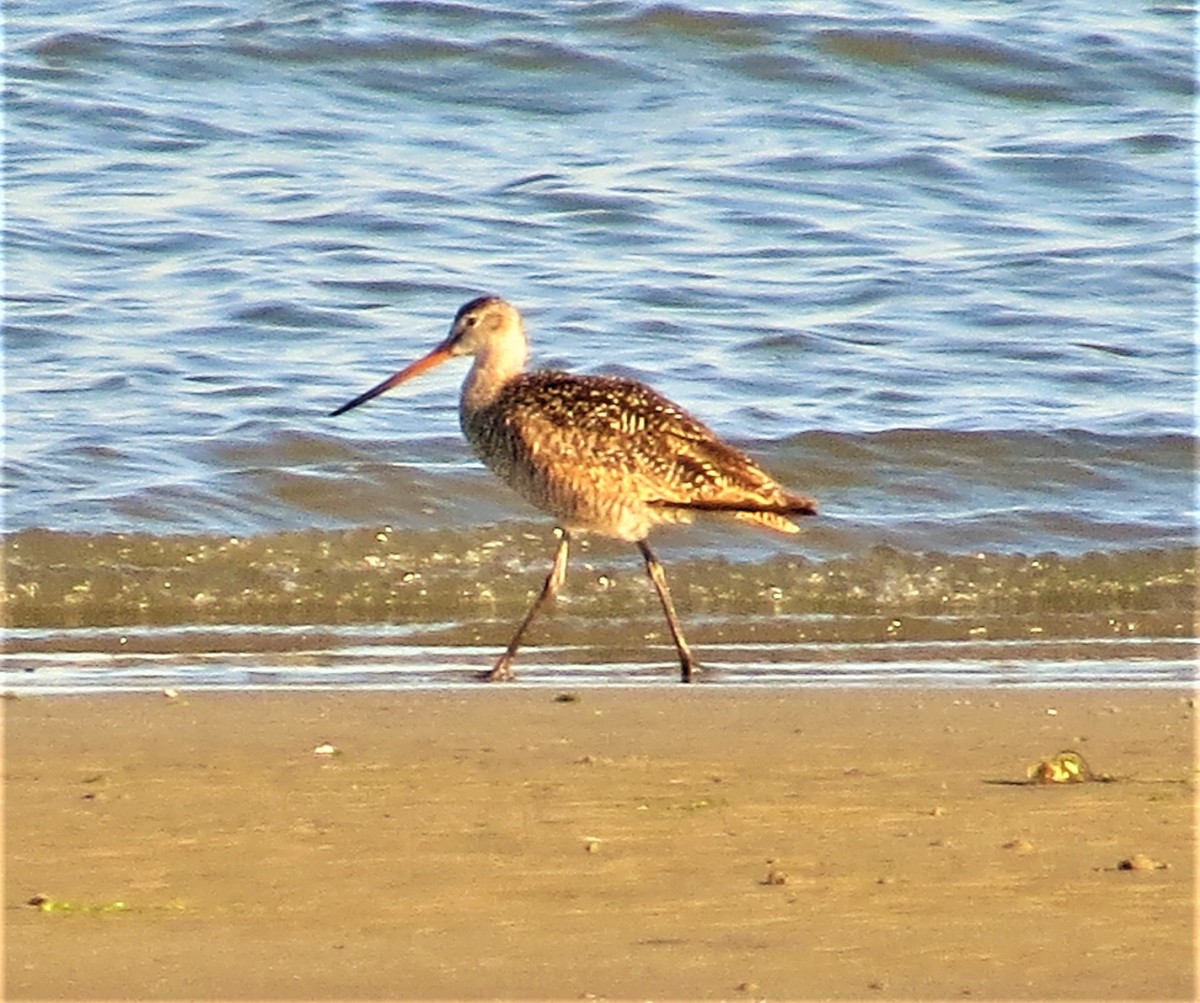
x,y
385,574
917,490
384,608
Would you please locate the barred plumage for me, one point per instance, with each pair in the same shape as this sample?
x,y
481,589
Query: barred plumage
x,y
600,454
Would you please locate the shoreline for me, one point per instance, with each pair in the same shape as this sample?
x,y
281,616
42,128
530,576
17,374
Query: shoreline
x,y
704,842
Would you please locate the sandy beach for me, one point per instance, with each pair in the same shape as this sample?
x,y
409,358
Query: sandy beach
x,y
666,843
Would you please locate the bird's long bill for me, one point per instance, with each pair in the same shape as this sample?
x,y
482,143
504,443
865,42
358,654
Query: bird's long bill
x,y
424,364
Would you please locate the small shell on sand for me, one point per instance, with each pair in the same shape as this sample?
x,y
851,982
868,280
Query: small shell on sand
x,y
1067,767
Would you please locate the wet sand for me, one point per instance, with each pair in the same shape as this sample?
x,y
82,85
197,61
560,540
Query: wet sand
x,y
664,843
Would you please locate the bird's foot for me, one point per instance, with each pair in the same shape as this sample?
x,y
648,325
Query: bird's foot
x,y
688,671
501,672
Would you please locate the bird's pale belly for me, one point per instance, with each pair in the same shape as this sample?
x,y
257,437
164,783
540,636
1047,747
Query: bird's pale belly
x,y
628,522
581,507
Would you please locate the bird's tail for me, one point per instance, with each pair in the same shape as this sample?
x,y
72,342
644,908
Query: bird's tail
x,y
766,514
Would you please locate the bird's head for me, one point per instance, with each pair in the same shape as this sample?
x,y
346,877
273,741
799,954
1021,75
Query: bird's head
x,y
484,324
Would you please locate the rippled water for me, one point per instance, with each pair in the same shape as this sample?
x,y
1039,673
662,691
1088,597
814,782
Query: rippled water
x,y
932,263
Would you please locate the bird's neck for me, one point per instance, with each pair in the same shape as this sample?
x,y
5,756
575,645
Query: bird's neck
x,y
495,366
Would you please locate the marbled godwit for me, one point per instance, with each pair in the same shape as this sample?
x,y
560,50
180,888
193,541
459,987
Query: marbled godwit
x,y
600,454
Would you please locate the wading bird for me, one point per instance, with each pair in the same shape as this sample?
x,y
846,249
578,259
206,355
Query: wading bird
x,y
600,454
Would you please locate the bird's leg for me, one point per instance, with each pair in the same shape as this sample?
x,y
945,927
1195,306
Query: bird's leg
x,y
502,670
655,570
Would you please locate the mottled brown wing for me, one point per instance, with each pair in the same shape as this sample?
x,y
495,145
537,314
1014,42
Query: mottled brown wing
x,y
608,434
